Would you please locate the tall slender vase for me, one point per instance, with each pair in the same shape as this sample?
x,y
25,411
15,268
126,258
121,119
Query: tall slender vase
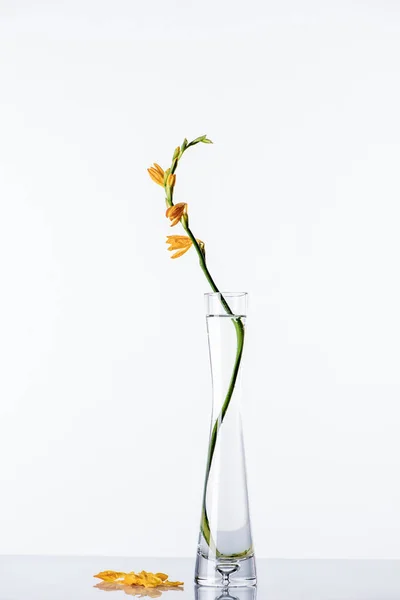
x,y
225,555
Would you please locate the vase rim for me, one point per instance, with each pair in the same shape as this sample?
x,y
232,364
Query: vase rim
x,y
227,294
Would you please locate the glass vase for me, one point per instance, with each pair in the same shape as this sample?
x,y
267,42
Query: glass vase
x,y
225,555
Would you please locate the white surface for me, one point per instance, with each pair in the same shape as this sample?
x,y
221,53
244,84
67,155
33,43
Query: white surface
x,y
104,387
59,578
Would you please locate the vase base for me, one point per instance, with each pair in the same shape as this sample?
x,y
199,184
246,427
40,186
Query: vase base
x,y
215,593
225,572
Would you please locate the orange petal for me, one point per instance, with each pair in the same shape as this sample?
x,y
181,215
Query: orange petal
x,y
159,169
149,579
180,252
173,238
131,579
178,241
155,175
109,575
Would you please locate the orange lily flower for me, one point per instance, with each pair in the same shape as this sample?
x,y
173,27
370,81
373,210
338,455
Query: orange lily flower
x,y
181,243
176,212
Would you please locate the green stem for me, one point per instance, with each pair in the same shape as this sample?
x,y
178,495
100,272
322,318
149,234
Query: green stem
x,y
205,525
238,324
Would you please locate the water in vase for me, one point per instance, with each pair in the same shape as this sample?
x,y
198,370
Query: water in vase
x,y
225,549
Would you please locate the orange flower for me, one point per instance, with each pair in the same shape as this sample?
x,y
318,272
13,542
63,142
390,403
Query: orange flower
x,y
157,174
176,212
181,243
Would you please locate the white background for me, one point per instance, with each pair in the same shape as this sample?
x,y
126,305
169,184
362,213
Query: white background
x,y
104,386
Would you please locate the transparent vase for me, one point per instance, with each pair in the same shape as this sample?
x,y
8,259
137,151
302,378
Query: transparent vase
x,y
225,555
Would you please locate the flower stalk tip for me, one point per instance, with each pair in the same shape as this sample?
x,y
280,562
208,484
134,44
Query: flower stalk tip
x,y
203,139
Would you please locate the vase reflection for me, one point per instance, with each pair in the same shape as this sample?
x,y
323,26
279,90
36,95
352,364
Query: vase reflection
x,y
233,593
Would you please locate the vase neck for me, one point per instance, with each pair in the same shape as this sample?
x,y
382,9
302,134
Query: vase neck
x,y
223,339
226,303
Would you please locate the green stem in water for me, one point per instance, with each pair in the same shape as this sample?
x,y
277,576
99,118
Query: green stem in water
x,y
238,324
205,525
